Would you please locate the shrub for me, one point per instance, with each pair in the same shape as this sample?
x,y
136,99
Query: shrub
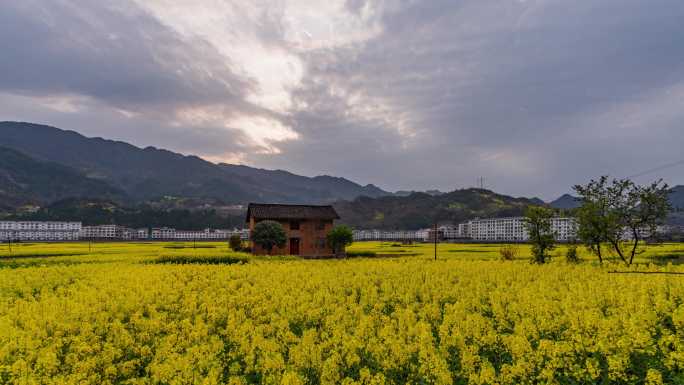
x,y
235,242
339,238
571,255
508,252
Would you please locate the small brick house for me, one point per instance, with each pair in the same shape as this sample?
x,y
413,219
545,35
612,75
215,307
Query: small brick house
x,y
306,227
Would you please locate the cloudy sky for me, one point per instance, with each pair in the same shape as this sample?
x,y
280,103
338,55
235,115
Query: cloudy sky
x,y
532,95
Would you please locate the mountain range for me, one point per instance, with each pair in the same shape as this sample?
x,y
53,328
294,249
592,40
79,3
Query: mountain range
x,y
565,202
104,181
140,174
420,210
24,180
568,201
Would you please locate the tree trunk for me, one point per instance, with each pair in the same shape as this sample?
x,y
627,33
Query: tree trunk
x,y
635,234
598,253
616,246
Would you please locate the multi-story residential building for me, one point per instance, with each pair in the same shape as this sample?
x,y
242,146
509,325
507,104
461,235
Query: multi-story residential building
x,y
39,231
464,230
103,232
113,232
143,233
390,235
564,228
166,233
498,229
513,229
202,235
163,233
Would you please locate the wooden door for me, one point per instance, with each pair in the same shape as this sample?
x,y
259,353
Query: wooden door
x,y
294,246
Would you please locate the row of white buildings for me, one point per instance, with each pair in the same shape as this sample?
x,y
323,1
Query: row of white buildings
x,y
391,235
482,230
40,231
510,229
74,231
167,233
513,229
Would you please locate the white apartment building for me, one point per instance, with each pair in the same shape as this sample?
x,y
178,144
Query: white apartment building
x,y
166,233
202,235
390,235
143,233
464,230
498,229
565,229
513,229
102,232
454,232
163,233
39,231
113,232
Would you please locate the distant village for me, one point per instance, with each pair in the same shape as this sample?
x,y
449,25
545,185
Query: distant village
x,y
510,229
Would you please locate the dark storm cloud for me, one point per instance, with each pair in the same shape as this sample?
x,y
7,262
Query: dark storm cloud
x,y
123,75
115,53
532,95
100,120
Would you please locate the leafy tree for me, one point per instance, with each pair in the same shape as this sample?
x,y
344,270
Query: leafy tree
x,y
571,255
269,234
538,225
594,217
340,237
235,242
620,211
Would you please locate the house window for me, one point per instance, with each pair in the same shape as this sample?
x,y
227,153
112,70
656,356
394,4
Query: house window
x,y
294,225
320,243
320,225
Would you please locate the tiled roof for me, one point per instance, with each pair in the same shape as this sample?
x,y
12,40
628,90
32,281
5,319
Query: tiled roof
x,y
277,211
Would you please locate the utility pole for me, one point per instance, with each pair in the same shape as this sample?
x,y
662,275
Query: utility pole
x,y
434,234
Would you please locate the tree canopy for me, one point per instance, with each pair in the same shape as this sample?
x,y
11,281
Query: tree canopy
x,y
340,237
269,234
538,225
618,212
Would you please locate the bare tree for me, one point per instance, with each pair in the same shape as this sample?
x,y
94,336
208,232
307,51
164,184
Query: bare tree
x,y
612,210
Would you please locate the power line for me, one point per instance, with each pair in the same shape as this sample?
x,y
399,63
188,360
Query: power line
x,y
659,168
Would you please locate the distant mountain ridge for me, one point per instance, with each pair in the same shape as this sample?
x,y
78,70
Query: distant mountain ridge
x,y
41,165
151,173
677,197
420,210
567,201
24,180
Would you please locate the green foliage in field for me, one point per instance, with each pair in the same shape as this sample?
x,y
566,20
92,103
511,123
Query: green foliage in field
x,y
269,234
340,237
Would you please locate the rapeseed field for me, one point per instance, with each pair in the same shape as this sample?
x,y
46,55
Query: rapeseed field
x,y
126,313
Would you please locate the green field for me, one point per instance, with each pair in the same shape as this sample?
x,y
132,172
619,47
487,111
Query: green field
x,y
170,313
